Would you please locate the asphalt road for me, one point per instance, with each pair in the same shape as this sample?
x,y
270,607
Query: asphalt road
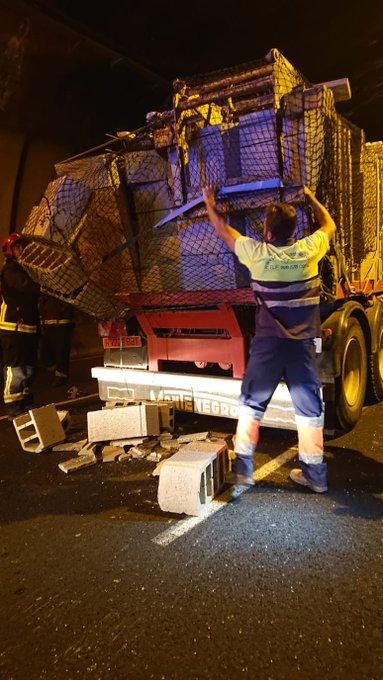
x,y
97,582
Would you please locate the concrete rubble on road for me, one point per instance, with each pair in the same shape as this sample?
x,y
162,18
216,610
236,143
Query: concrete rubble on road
x,y
123,431
118,432
111,453
64,447
78,463
193,437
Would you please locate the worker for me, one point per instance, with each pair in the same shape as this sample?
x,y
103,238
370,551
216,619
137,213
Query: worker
x,y
57,326
19,325
284,278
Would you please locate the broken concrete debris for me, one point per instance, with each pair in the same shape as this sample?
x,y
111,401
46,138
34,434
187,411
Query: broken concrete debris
x,y
137,453
111,453
157,469
70,446
193,437
131,441
187,465
88,448
78,463
125,456
154,457
171,445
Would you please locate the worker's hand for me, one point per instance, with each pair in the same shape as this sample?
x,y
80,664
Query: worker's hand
x,y
308,193
208,194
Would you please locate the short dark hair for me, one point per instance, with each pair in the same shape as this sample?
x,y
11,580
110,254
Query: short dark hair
x,y
281,220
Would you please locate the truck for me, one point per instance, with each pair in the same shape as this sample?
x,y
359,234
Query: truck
x,y
122,233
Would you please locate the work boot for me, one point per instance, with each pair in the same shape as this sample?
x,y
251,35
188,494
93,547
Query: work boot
x,y
312,476
239,480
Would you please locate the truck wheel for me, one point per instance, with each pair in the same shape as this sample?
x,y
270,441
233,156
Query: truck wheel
x,y
350,386
375,368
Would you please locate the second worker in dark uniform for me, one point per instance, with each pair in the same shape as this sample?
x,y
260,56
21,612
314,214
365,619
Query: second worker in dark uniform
x,y
57,323
19,325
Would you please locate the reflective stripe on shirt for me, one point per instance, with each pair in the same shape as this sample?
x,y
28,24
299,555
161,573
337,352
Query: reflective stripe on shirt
x,y
295,294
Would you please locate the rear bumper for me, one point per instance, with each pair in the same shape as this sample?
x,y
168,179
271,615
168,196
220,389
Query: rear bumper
x,y
214,396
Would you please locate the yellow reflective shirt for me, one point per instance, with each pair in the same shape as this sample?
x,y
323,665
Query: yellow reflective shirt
x,y
295,262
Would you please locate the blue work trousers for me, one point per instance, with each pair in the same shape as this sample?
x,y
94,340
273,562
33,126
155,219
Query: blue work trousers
x,y
274,359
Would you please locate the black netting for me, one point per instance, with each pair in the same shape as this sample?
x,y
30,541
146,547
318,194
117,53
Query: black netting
x,y
95,237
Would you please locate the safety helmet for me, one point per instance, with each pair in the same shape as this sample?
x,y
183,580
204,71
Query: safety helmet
x,y
10,241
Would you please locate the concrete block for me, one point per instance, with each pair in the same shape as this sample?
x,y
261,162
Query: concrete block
x,y
59,210
144,166
111,453
119,423
258,140
192,477
117,404
166,413
193,437
78,463
206,160
39,429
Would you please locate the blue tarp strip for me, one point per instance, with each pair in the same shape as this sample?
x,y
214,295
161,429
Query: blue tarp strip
x,y
224,191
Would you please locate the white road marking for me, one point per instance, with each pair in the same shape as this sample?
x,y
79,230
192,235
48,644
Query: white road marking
x,y
182,527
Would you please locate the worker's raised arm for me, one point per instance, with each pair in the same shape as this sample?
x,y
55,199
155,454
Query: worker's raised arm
x,y
321,214
222,228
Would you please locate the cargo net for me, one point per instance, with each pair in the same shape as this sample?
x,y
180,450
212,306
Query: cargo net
x,y
116,231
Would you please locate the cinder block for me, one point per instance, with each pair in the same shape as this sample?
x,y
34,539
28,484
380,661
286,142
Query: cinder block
x,y
120,423
39,429
258,140
117,404
59,210
192,477
78,463
144,166
166,413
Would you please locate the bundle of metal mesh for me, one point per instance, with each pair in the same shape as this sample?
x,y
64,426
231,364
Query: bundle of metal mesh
x,y
260,131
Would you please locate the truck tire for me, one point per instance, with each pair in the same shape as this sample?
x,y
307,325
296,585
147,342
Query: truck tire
x,y
350,385
375,366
